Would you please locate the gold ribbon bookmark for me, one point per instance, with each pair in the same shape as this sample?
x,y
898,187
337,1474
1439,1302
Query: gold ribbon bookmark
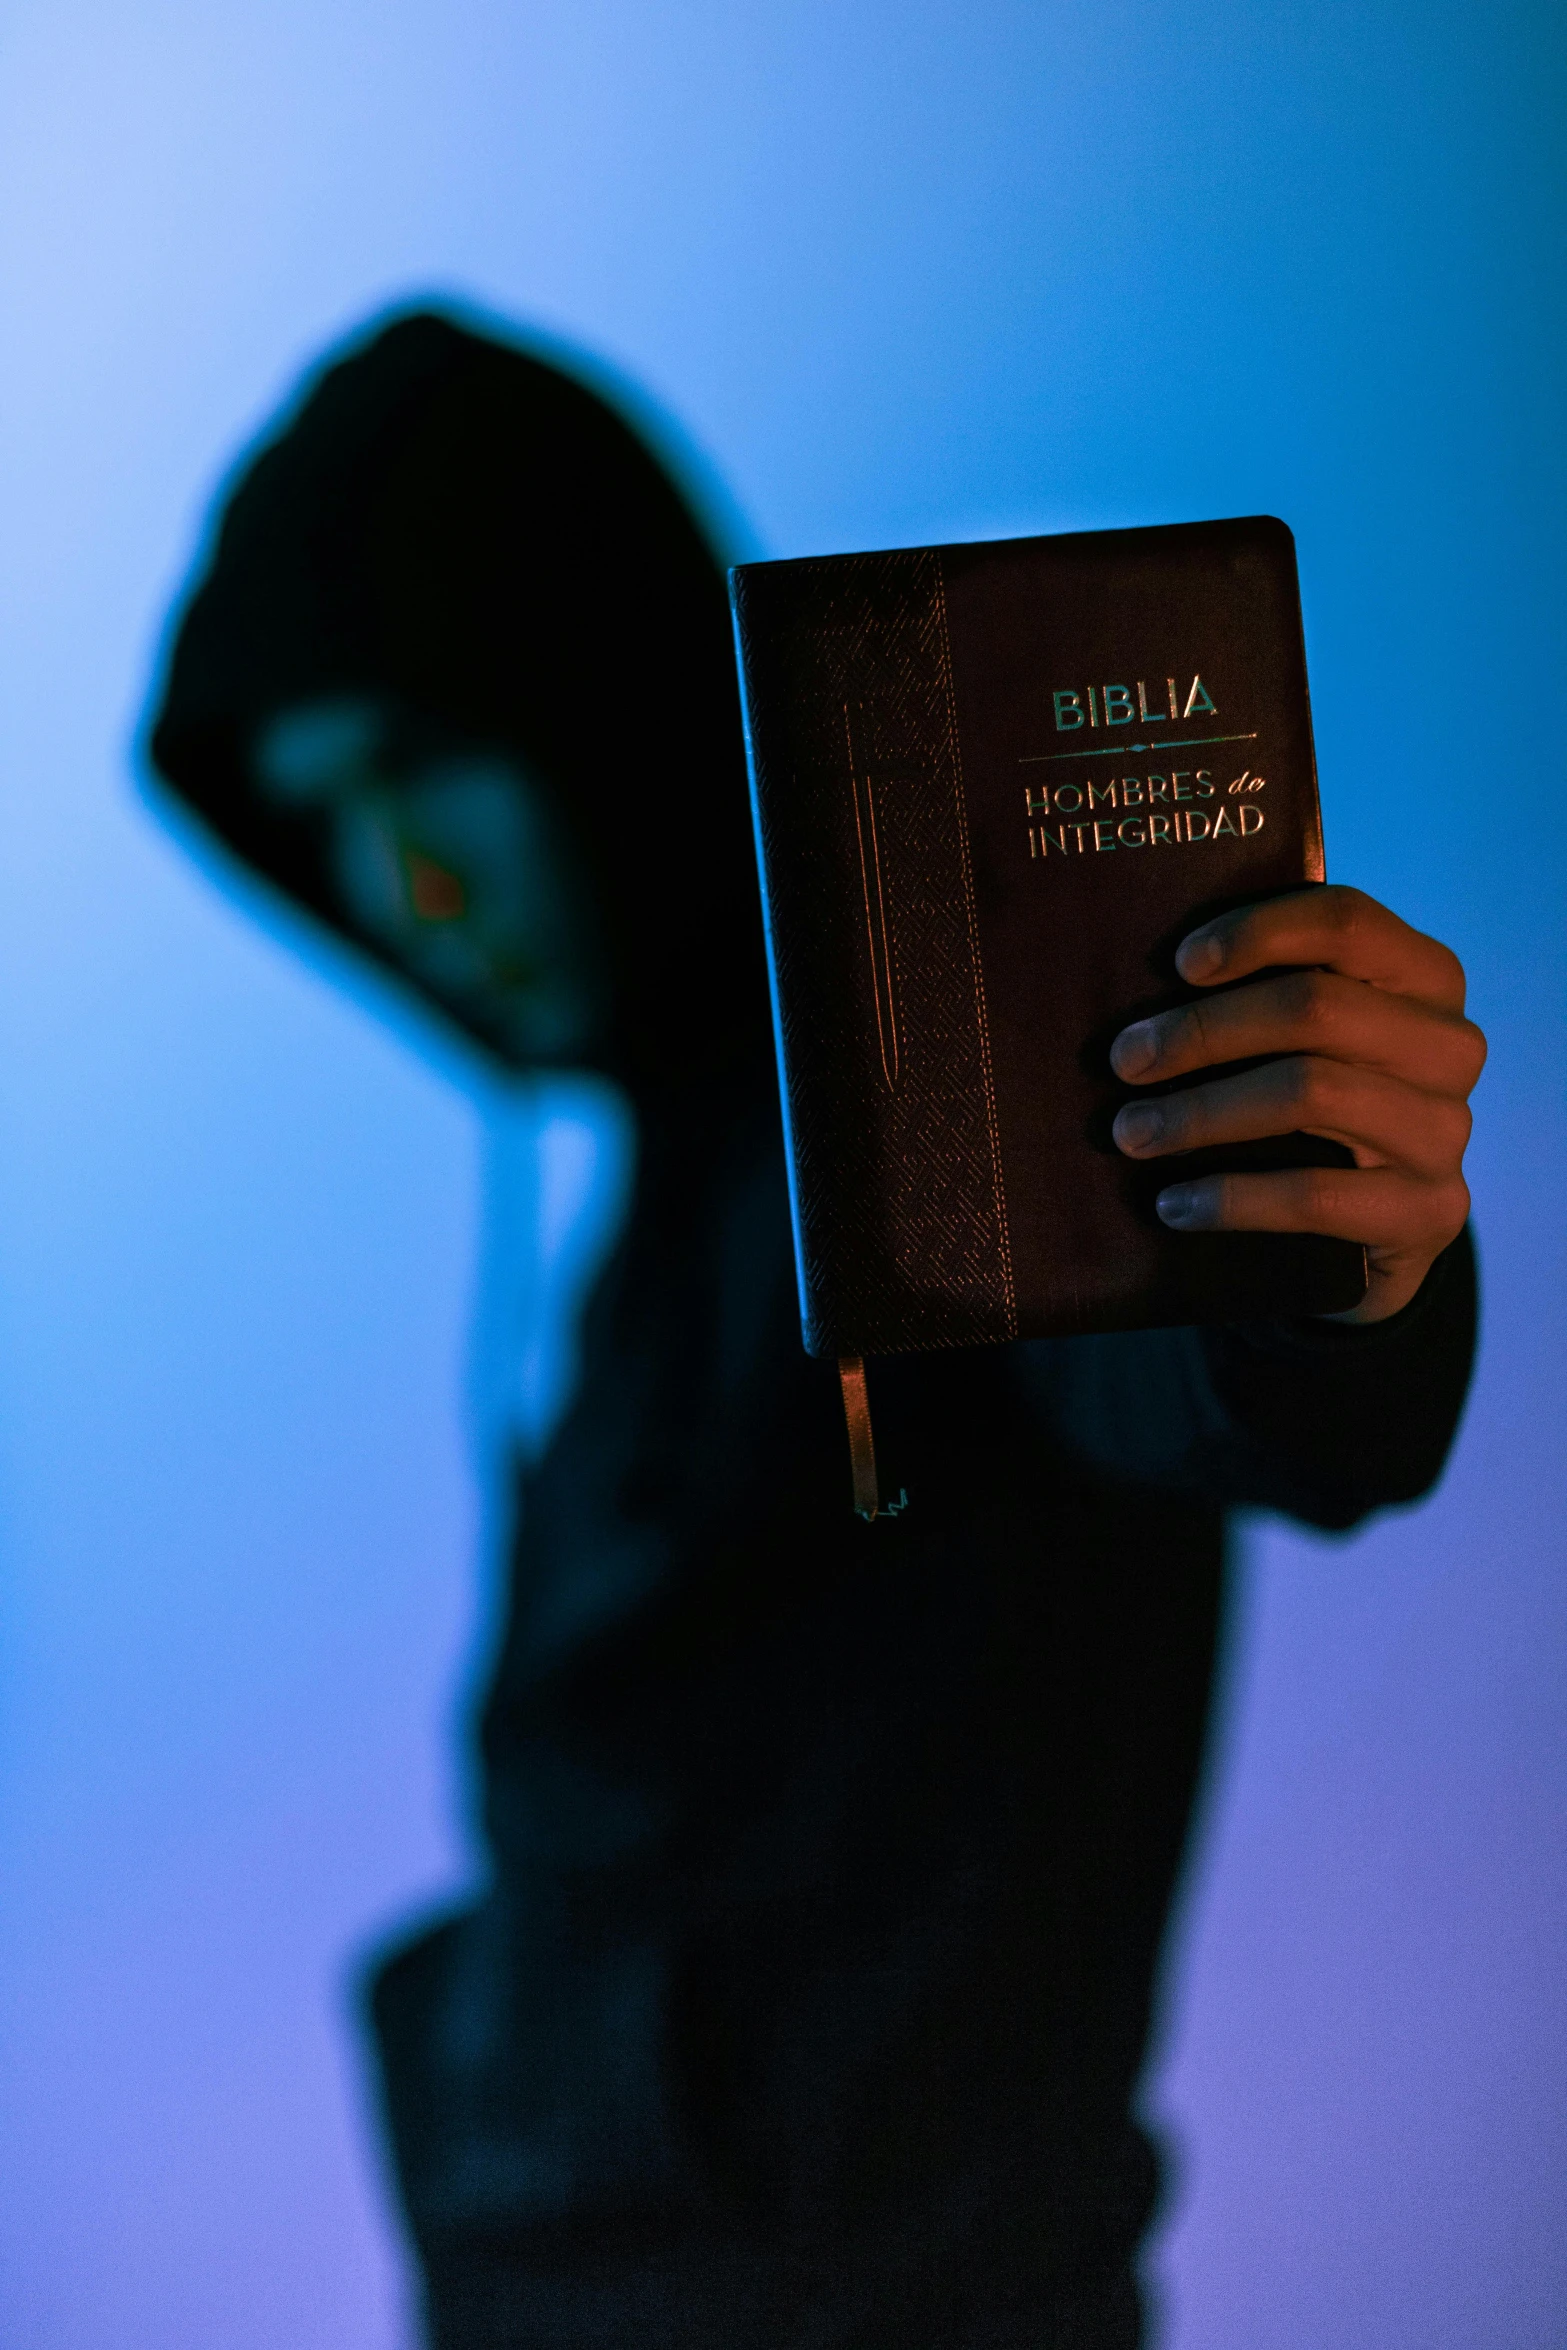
x,y
862,1445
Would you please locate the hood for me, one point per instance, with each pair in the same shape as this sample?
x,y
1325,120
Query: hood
x,y
472,536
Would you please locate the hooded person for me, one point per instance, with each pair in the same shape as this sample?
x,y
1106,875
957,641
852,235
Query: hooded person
x,y
806,2000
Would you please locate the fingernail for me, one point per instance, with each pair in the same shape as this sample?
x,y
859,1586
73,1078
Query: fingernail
x,y
1139,1124
1135,1049
1180,1204
1200,955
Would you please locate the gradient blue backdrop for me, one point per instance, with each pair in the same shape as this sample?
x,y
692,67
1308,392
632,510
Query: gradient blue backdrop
x,y
903,272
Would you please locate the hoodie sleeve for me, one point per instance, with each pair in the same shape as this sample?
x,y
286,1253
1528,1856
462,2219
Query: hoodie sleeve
x,y
1324,1421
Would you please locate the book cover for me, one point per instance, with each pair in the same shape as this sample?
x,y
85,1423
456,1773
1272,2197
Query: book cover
x,y
994,786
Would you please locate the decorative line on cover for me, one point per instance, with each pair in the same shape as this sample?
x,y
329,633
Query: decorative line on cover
x,y
877,929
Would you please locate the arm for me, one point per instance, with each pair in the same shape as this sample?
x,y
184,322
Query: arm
x,y
1325,1420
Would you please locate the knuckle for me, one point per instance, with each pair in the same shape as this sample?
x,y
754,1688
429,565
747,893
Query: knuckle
x,y
1455,1201
1460,1120
1454,977
1191,1032
1235,929
1310,1088
1180,1113
1322,1193
1309,999
1440,1135
1437,1212
1474,1038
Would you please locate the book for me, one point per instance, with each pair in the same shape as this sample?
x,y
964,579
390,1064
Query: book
x,y
994,786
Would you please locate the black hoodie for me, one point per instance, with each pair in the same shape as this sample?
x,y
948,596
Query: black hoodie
x,y
472,538
829,1863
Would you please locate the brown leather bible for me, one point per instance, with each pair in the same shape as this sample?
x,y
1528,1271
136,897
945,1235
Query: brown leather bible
x,y
994,787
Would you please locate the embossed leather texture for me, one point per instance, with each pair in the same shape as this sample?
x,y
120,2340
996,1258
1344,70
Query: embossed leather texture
x,y
965,901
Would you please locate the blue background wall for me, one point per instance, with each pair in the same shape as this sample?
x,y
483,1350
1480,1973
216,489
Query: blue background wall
x,y
902,272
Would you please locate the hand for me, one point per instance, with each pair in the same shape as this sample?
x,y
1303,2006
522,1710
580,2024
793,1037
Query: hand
x,y
1377,1055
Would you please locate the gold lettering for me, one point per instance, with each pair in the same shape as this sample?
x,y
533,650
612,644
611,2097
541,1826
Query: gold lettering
x,y
1159,789
1204,784
1180,776
1170,688
1063,803
1137,832
1148,717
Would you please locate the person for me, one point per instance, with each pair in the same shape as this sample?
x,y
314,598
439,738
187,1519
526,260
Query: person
x,y
806,1999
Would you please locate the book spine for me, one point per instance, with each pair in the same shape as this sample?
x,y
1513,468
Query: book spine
x,y
878,996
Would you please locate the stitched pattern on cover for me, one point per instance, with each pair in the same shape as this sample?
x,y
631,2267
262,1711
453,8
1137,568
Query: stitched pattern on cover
x,y
973,925
890,1101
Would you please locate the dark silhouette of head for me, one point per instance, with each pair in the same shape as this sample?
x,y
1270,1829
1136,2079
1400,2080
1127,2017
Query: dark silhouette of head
x,y
458,680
